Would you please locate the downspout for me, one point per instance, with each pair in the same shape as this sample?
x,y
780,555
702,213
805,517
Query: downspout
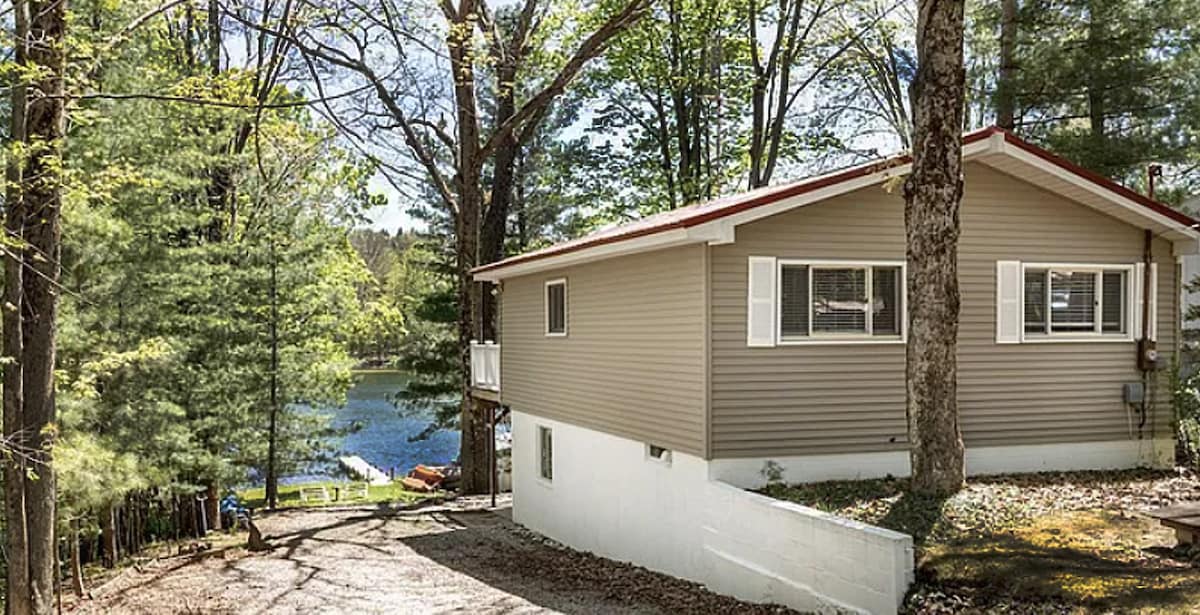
x,y
1147,353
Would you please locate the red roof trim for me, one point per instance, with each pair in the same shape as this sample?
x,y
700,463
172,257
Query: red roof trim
x,y
802,187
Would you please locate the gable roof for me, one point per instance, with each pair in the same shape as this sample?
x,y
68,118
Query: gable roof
x,y
714,221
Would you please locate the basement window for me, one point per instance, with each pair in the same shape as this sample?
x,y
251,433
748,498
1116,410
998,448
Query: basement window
x,y
658,453
545,453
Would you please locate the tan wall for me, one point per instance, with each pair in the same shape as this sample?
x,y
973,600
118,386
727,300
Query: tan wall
x,y
633,361
797,400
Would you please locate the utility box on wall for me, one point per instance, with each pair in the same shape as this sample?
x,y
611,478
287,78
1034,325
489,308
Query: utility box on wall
x,y
1133,392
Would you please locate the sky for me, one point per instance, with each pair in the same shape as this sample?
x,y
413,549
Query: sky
x,y
390,217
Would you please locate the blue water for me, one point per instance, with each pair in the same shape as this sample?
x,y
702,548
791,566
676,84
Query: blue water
x,y
383,440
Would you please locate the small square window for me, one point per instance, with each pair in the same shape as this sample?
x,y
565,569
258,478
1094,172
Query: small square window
x,y
556,307
658,453
545,453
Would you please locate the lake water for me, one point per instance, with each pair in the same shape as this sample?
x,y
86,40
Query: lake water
x,y
383,440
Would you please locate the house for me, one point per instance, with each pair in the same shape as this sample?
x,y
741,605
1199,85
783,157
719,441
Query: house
x,y
657,369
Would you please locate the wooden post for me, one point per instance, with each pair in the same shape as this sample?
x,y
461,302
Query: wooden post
x,y
491,410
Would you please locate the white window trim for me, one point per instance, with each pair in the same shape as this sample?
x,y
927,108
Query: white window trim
x,y
546,306
546,482
830,339
1074,337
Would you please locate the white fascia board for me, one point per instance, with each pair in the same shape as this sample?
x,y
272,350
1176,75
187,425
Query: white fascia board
x,y
1185,247
656,241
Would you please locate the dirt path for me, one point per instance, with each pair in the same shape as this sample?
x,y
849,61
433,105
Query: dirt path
x,y
367,561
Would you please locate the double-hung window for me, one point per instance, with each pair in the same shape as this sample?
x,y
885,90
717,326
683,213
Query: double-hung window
x,y
828,300
1066,301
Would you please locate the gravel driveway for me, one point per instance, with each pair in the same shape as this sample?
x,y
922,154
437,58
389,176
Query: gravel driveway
x,y
379,561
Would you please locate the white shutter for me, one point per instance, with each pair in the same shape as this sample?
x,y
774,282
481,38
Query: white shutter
x,y
1135,298
1138,286
760,305
1154,301
1008,302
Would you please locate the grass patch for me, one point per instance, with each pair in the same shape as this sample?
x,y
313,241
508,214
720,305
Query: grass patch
x,y
289,495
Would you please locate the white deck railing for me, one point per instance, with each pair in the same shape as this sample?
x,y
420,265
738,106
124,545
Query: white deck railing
x,y
485,365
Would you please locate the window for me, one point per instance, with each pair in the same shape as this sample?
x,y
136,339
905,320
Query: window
x,y
545,453
1075,300
658,453
836,300
556,308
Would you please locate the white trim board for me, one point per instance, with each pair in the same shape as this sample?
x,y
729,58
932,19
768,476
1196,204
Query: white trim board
x,y
1108,455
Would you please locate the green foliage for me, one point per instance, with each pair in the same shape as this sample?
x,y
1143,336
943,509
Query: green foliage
x,y
1108,84
289,495
175,216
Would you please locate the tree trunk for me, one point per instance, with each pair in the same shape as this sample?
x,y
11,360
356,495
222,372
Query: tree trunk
x,y
459,42
1097,83
108,537
473,452
1006,95
212,504
272,490
76,561
17,595
46,129
932,194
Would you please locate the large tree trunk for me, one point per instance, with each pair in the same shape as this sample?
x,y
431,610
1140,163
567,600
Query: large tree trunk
x,y
17,597
473,447
42,193
932,194
474,444
1006,95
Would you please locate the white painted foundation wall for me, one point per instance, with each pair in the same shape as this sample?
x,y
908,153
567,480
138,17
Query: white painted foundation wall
x,y
609,497
1160,453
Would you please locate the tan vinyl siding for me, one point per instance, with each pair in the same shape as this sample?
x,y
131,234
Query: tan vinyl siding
x,y
633,360
794,400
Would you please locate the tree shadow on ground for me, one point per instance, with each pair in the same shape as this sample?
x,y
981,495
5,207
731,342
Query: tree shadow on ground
x,y
914,514
496,553
839,494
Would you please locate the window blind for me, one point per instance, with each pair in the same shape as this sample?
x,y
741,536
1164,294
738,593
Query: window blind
x,y
839,300
1035,301
793,301
885,300
1072,301
1114,302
